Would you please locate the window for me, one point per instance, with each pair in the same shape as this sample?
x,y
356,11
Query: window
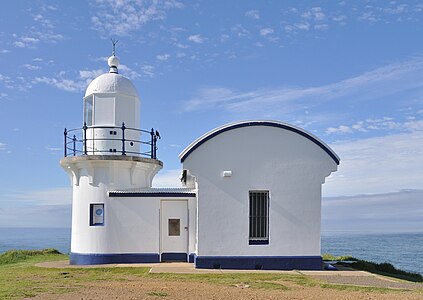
x,y
259,218
88,110
174,227
97,214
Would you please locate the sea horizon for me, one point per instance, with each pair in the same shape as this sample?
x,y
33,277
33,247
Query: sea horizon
x,y
400,248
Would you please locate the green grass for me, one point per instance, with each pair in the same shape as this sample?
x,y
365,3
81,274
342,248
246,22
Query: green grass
x,y
330,257
16,256
385,269
253,280
356,288
20,278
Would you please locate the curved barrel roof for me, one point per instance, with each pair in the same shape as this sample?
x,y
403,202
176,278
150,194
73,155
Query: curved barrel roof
x,y
211,134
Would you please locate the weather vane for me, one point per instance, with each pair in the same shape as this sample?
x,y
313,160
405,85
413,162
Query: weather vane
x,y
114,42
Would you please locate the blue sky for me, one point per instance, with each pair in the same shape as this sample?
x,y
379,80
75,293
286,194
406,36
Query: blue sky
x,y
350,72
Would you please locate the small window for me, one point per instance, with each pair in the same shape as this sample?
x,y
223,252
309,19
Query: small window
x,y
88,110
259,218
174,227
96,214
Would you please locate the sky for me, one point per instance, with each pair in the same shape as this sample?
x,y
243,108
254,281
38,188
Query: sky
x,y
349,72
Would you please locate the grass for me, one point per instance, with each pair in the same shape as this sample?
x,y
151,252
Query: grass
x,y
385,269
356,288
19,278
16,256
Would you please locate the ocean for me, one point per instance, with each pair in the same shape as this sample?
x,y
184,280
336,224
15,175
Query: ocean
x,y
403,250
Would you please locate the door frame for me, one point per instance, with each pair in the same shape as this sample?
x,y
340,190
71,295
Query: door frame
x,y
161,210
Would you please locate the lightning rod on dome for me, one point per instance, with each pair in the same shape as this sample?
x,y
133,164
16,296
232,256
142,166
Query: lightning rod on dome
x,y
114,42
113,60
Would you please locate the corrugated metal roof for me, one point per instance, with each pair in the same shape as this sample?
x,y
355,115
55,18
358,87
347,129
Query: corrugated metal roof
x,y
155,192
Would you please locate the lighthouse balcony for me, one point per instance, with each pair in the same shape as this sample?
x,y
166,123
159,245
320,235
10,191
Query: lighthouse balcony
x,y
110,140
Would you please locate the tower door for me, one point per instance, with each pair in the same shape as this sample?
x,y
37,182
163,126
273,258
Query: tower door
x,y
174,230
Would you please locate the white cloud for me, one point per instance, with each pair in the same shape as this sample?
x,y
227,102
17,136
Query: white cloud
x,y
163,57
340,18
70,85
128,72
368,16
3,51
52,196
378,165
321,27
386,123
398,9
41,31
224,38
297,26
384,212
168,178
148,71
340,129
31,67
240,31
197,38
120,18
253,14
3,146
266,31
315,13
38,216
380,82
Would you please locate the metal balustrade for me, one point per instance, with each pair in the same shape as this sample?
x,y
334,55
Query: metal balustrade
x,y
83,141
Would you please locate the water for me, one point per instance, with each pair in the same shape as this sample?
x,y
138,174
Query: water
x,y
403,250
35,238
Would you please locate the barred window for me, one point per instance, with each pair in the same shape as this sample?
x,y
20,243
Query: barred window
x,y
259,218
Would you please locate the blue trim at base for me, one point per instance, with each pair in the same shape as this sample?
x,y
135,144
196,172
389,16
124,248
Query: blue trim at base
x,y
174,257
260,262
97,259
191,257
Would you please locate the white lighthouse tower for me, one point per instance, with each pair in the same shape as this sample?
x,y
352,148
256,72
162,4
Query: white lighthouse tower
x,y
109,152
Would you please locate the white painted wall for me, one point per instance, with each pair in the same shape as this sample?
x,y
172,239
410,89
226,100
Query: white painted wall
x,y
131,225
287,164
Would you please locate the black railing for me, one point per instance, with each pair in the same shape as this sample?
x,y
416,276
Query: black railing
x,y
118,140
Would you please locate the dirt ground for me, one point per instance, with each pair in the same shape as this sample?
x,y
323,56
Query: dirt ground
x,y
147,288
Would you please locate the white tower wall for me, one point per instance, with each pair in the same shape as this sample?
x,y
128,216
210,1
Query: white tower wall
x,y
103,226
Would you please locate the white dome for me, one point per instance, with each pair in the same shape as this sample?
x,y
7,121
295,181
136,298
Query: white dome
x,y
112,83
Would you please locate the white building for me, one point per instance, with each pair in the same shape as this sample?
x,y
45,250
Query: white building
x,y
250,195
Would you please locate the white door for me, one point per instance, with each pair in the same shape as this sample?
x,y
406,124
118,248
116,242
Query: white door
x,y
174,230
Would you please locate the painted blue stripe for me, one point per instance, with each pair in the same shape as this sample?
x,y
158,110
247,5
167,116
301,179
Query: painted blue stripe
x,y
191,257
262,123
174,257
96,259
161,195
260,262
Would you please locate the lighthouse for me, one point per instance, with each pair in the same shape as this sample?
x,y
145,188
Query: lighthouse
x,y
109,152
250,194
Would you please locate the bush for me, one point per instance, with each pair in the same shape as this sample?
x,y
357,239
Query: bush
x,y
386,269
15,256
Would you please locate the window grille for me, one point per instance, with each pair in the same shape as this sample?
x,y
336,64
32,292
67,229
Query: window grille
x,y
259,218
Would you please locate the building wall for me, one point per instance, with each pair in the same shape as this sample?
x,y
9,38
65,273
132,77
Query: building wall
x,y
287,164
